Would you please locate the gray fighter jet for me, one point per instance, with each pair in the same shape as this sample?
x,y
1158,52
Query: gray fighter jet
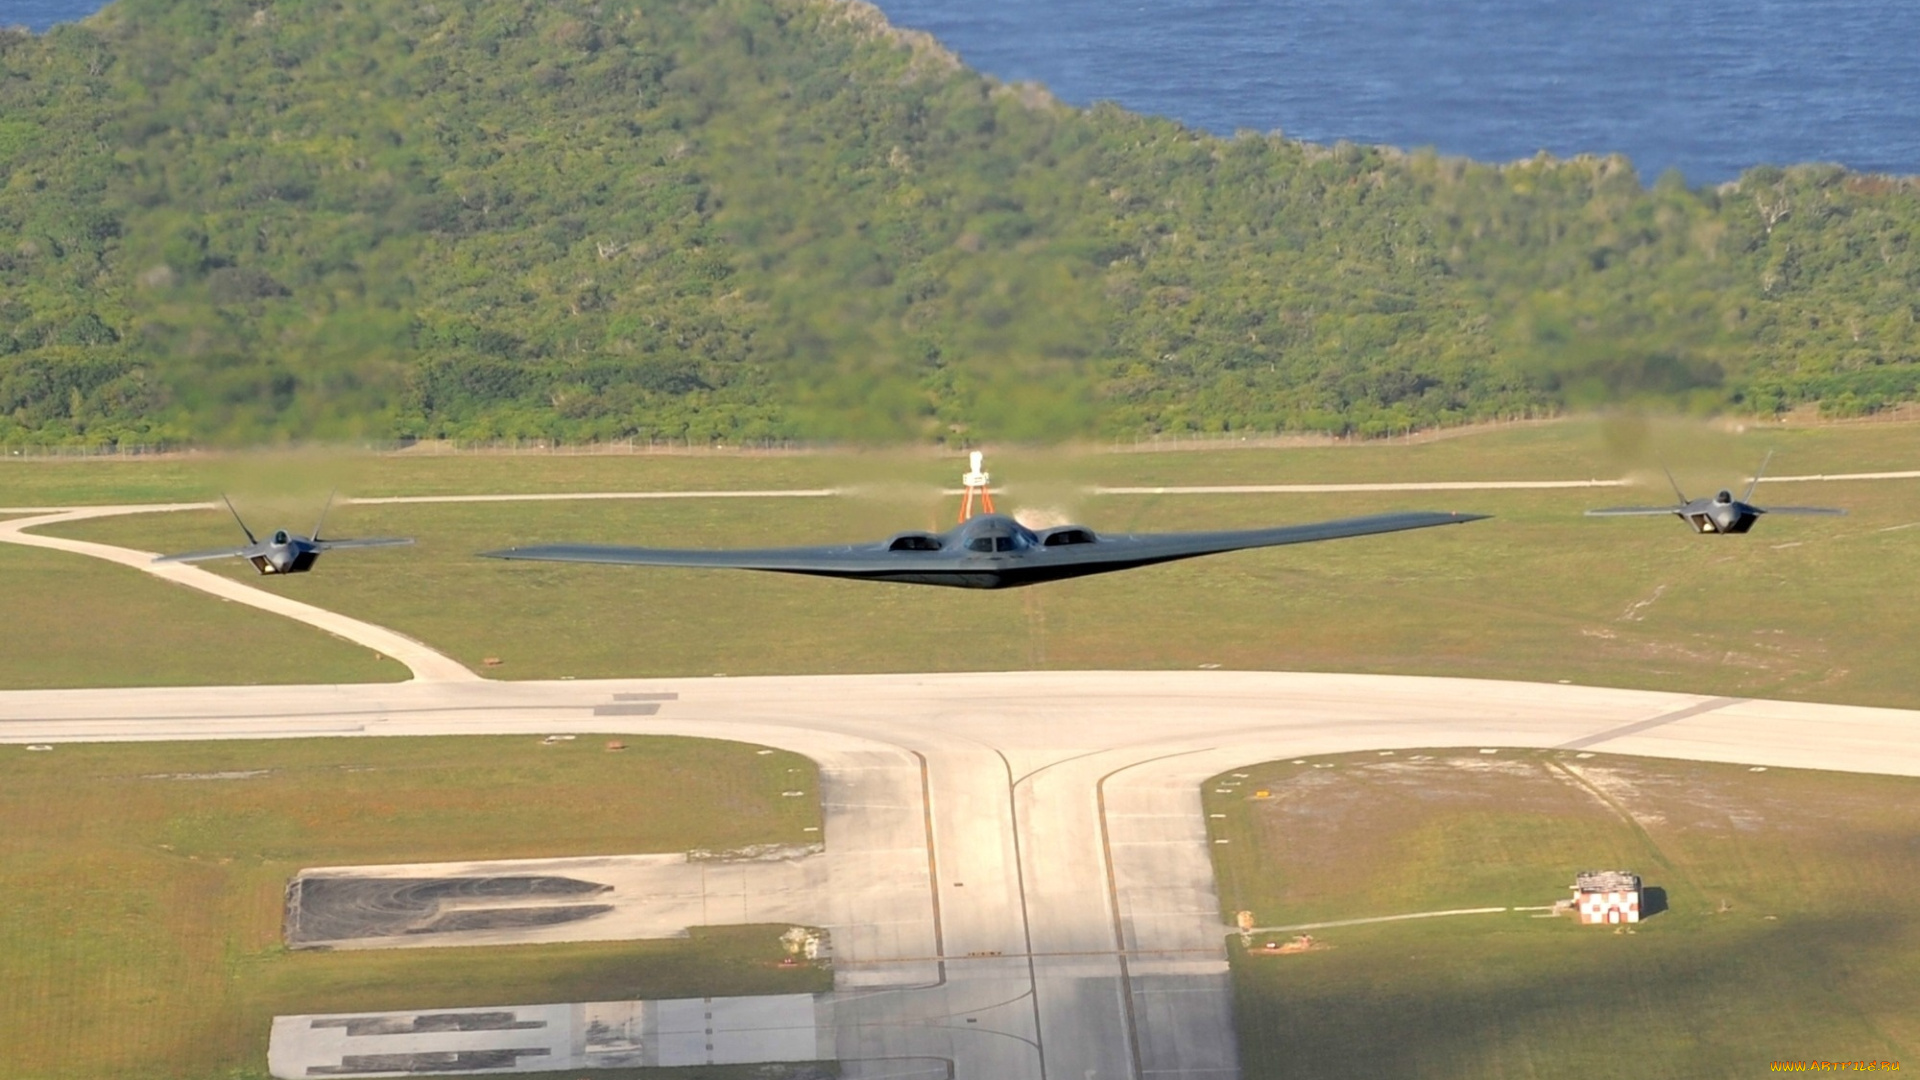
x,y
990,551
283,552
1721,514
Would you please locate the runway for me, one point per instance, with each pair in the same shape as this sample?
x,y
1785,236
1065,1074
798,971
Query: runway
x,y
1017,866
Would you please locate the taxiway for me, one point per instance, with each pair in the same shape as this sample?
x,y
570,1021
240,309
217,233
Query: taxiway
x,y
1017,864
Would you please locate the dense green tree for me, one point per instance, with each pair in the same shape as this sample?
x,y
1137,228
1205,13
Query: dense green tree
x,y
738,219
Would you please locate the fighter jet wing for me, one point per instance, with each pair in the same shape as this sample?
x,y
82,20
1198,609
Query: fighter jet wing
x,y
203,556
1820,511
840,558
372,541
1633,511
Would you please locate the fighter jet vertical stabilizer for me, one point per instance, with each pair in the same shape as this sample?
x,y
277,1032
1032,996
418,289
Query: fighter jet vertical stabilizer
x,y
1720,514
283,552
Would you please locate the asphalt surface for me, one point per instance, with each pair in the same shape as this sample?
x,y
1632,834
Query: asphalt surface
x,y
522,901
1018,878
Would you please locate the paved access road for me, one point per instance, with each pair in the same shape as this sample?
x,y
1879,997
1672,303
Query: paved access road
x,y
1018,866
420,658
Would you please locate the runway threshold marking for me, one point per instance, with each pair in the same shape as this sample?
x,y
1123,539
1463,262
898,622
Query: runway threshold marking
x,y
1639,726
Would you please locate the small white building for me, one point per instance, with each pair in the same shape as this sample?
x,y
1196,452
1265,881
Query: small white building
x,y
1606,896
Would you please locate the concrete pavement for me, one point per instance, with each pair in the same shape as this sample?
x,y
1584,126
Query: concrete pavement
x,y
424,661
1017,876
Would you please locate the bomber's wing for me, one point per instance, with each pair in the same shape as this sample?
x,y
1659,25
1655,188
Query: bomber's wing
x,y
1633,511
1122,551
852,559
1815,511
372,541
203,556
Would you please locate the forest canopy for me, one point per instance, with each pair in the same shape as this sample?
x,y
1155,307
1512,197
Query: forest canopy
x,y
263,220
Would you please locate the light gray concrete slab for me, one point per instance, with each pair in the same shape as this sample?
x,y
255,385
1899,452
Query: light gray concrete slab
x,y
542,1038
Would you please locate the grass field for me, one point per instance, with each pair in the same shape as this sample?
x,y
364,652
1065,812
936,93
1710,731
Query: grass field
x,y
1561,450
1790,931
1814,608
140,912
76,621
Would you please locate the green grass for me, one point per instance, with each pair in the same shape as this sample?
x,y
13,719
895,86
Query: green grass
x,y
1810,608
1570,449
140,915
77,621
305,477
1791,931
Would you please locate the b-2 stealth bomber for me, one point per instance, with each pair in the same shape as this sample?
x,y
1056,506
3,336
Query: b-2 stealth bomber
x,y
988,551
283,552
1721,514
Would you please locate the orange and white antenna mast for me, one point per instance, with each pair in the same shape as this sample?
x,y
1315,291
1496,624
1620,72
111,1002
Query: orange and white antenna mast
x,y
975,479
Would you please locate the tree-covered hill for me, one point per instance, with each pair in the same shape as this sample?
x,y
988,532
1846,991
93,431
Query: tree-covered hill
x,y
738,219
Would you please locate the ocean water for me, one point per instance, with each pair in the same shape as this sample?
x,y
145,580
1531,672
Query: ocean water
x,y
1708,87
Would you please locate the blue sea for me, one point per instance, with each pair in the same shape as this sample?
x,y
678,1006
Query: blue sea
x,y
1708,87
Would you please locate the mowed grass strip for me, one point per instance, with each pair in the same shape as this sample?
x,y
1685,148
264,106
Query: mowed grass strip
x,y
1789,932
141,897
1813,608
1573,449
71,620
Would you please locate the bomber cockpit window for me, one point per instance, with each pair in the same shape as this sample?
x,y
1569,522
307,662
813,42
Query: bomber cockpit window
x,y
1000,535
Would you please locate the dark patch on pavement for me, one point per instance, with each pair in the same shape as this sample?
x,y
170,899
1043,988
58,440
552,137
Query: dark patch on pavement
x,y
633,709
510,918
1645,725
428,1023
432,1062
321,909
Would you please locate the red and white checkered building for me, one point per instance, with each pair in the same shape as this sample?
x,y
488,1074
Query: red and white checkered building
x,y
1606,896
